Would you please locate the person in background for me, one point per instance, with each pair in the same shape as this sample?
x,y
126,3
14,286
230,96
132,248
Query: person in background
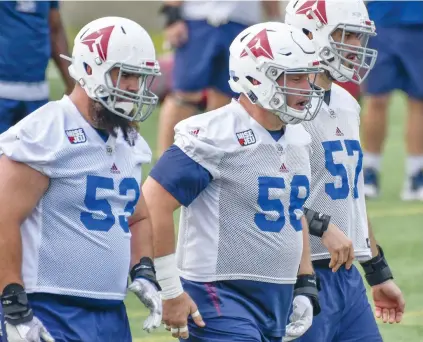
x,y
31,33
201,32
399,66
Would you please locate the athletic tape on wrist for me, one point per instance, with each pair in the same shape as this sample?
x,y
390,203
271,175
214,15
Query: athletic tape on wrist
x,y
167,275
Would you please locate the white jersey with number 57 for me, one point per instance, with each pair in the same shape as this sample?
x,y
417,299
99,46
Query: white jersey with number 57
x,y
76,241
337,181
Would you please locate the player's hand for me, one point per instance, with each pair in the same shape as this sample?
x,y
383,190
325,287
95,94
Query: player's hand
x,y
148,294
32,331
339,246
176,34
176,312
300,319
389,302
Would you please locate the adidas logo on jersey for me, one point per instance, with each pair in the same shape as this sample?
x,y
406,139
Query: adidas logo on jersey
x,y
283,168
114,169
338,132
246,138
194,132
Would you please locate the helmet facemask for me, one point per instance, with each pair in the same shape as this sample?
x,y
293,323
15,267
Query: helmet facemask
x,y
348,62
133,106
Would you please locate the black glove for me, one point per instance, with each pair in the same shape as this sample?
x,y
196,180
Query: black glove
x,y
309,285
145,269
16,309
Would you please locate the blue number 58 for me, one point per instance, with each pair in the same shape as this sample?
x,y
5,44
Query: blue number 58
x,y
295,202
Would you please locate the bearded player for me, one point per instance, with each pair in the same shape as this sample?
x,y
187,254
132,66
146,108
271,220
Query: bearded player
x,y
73,222
336,208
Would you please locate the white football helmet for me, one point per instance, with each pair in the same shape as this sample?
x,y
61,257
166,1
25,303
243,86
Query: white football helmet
x,y
263,53
114,42
322,18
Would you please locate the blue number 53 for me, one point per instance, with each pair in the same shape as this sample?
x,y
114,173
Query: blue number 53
x,y
340,170
95,204
266,204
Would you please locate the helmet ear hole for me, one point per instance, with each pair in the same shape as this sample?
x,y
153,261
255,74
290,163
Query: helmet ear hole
x,y
88,69
253,81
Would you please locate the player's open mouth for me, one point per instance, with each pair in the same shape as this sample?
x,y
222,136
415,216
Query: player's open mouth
x,y
301,104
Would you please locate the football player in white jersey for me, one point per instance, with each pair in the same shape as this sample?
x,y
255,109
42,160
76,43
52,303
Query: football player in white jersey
x,y
336,208
73,221
241,175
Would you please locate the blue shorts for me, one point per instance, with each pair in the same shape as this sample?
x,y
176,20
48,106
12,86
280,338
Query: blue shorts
x,y
203,61
399,64
346,313
70,323
239,310
12,111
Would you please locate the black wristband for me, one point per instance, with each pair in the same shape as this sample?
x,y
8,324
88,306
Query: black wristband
x,y
308,285
377,270
16,309
145,269
172,14
317,223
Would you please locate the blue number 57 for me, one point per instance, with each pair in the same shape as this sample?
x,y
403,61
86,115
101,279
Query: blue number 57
x,y
335,169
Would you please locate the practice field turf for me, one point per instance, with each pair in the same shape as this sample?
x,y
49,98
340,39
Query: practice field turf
x,y
398,226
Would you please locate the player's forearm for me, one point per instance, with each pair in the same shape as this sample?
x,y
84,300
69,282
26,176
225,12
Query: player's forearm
x,y
306,266
373,242
173,3
59,45
163,233
10,253
161,206
141,240
272,9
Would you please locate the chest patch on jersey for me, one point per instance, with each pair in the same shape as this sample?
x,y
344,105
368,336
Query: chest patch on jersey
x,y
76,136
246,138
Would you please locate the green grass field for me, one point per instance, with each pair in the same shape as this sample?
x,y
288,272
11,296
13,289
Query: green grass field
x,y
398,226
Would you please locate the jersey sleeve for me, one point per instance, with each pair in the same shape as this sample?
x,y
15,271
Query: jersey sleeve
x,y
180,175
200,140
31,141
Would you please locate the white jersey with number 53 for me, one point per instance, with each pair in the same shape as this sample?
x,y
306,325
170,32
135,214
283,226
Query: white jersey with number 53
x,y
337,181
77,241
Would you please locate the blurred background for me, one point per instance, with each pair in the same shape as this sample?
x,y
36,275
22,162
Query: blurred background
x,y
398,224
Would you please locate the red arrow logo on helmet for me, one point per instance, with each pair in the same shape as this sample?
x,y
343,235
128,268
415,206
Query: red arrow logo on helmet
x,y
100,39
318,7
259,46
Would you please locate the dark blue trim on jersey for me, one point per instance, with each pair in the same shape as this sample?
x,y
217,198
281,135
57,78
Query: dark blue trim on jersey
x,y
327,95
88,303
277,134
181,176
103,134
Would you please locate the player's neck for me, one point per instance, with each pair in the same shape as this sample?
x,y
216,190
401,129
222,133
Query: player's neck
x,y
323,81
82,103
266,119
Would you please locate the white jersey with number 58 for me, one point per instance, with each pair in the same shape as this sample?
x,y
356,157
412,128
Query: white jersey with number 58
x,y
337,181
76,241
246,223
